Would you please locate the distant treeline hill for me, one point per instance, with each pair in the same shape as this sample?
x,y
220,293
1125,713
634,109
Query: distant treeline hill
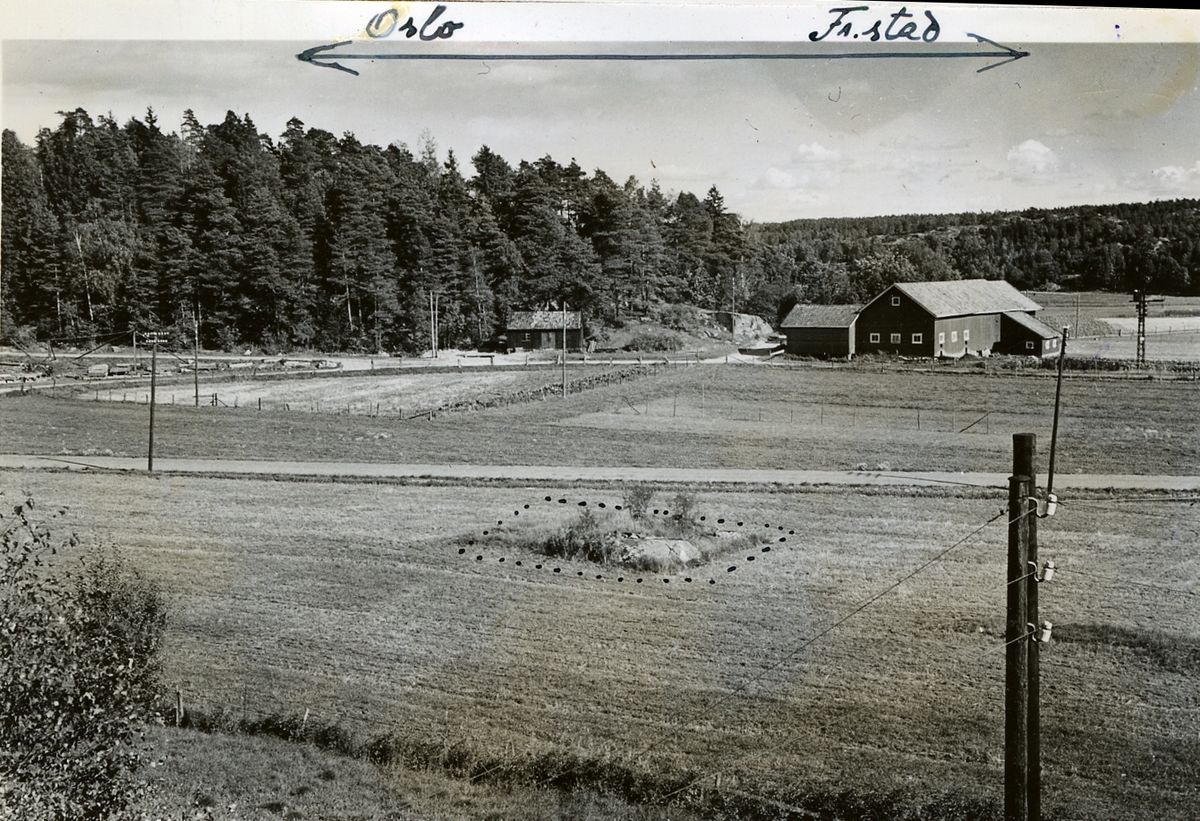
x,y
315,241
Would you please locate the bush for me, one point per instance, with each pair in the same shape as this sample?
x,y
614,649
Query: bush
x,y
584,538
654,341
637,499
78,673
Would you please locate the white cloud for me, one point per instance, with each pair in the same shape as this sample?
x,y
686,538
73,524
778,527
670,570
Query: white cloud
x,y
815,152
1178,177
1032,158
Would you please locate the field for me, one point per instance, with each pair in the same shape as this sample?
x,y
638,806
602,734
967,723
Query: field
x,y
352,604
404,621
1106,325
696,416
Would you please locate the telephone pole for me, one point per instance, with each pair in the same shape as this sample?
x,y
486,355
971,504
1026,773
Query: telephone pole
x,y
1140,298
1022,687
153,339
564,362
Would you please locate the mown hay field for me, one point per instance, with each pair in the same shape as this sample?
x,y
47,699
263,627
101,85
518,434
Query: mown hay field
x,y
697,416
352,602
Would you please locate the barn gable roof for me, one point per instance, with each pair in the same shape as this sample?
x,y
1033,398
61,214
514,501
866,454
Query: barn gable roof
x,y
1036,326
820,316
964,297
543,320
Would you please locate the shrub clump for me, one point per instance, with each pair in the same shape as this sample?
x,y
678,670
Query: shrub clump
x,y
584,538
78,673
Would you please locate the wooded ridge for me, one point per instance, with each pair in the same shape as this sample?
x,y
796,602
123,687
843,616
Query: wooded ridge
x,y
313,241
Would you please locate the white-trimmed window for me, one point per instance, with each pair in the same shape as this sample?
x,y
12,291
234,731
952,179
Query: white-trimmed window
x,y
875,339
896,339
966,335
895,302
918,339
942,338
954,336
1029,345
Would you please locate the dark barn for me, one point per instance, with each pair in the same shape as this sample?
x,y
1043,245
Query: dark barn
x,y
939,319
534,330
825,331
1022,335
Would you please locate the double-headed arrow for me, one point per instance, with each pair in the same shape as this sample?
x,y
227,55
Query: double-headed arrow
x,y
320,56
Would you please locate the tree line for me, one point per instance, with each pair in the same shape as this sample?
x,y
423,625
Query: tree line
x,y
323,242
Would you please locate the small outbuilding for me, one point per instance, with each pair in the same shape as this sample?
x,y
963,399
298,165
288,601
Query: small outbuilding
x,y
825,331
1023,335
537,330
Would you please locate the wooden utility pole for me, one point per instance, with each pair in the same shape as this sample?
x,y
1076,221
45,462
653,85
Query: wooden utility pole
x,y
564,362
196,355
1022,759
153,339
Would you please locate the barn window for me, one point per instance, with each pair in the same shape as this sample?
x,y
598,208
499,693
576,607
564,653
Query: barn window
x,y
895,302
875,339
942,338
895,339
967,335
1029,345
918,339
954,336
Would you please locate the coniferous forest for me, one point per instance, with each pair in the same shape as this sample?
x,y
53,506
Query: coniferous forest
x,y
322,242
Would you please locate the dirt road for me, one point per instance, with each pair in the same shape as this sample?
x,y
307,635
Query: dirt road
x,y
548,473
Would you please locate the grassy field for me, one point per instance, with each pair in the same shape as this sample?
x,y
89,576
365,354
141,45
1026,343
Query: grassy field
x,y
353,604
698,416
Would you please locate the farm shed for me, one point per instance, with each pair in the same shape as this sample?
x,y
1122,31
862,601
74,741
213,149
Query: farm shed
x,y
1023,335
934,319
826,331
533,330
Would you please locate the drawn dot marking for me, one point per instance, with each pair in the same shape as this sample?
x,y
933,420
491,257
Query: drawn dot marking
x,y
479,558
766,549
518,564
558,570
462,550
620,578
583,504
639,581
720,521
618,507
601,504
783,538
537,567
549,499
527,507
501,558
562,501
687,579
666,581
731,568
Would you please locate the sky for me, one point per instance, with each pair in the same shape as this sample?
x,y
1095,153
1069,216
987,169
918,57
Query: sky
x,y
1070,124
